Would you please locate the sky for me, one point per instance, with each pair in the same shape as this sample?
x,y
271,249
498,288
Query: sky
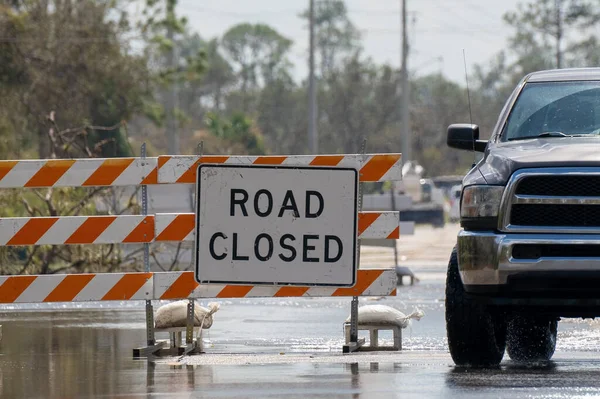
x,y
439,30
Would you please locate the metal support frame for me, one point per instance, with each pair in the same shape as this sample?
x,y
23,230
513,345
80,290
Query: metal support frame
x,y
189,330
190,345
355,344
149,310
393,197
152,347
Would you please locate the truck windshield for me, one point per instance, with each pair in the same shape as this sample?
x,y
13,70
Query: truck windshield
x,y
561,108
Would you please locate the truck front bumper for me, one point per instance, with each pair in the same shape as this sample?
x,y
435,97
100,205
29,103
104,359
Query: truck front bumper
x,y
529,264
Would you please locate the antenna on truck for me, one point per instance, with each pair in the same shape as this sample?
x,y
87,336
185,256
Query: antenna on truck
x,y
469,100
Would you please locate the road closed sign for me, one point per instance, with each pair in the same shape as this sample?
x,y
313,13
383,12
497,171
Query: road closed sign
x,y
276,225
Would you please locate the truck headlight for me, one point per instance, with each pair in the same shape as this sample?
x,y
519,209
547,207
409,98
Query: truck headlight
x,y
479,207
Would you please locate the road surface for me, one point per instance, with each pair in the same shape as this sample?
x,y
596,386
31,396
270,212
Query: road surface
x,y
281,348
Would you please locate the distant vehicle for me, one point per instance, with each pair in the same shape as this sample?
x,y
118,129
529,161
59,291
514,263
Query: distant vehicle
x,y
454,214
446,183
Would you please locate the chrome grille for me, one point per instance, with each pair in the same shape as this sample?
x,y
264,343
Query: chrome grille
x,y
552,200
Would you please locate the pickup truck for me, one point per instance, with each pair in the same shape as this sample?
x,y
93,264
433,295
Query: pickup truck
x,y
528,252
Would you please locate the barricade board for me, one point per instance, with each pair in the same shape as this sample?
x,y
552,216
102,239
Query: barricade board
x,y
92,287
76,287
182,285
93,172
76,230
276,225
372,167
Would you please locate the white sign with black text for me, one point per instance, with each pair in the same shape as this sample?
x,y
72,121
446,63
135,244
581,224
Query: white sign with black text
x,y
276,225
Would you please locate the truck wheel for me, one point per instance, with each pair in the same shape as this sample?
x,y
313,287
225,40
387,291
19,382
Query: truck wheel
x,y
476,336
531,338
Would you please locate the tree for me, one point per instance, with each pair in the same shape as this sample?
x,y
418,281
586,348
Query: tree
x,y
544,33
73,201
438,103
163,29
336,37
219,74
238,131
358,100
281,116
69,58
259,55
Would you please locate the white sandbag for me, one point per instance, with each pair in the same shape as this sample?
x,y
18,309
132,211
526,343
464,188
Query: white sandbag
x,y
174,314
385,315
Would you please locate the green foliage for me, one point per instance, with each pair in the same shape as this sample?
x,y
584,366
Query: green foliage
x,y
66,60
238,129
164,31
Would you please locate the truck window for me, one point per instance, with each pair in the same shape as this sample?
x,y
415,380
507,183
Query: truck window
x,y
572,108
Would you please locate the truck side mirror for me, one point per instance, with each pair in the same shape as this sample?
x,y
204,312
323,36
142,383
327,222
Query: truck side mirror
x,y
465,136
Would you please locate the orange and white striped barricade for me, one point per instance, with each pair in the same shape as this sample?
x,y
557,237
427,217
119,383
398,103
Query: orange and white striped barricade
x,y
94,172
164,227
92,287
84,287
181,285
76,230
371,167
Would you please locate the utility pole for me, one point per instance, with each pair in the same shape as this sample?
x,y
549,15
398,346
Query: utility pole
x,y
313,141
171,103
559,31
406,136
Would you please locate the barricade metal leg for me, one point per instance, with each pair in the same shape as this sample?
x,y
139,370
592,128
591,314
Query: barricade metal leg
x,y
354,343
151,347
149,323
189,330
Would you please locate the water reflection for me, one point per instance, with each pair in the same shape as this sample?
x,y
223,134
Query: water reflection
x,y
48,358
168,379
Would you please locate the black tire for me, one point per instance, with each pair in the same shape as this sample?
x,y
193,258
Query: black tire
x,y
476,336
530,338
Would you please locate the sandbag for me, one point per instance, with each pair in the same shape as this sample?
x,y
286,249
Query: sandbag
x,y
385,315
174,314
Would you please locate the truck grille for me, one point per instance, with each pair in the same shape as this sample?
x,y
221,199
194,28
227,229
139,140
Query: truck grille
x,y
553,200
555,215
586,186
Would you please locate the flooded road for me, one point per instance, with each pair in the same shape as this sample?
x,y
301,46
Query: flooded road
x,y
277,348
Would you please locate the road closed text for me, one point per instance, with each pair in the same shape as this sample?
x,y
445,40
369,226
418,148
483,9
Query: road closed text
x,y
287,247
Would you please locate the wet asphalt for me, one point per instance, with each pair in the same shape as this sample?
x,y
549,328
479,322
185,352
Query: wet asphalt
x,y
275,348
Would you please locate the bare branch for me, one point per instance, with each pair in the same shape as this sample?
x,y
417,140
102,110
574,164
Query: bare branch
x,y
84,201
74,265
28,207
157,262
132,255
130,202
48,260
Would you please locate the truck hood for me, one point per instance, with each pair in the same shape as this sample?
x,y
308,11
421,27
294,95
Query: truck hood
x,y
502,159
